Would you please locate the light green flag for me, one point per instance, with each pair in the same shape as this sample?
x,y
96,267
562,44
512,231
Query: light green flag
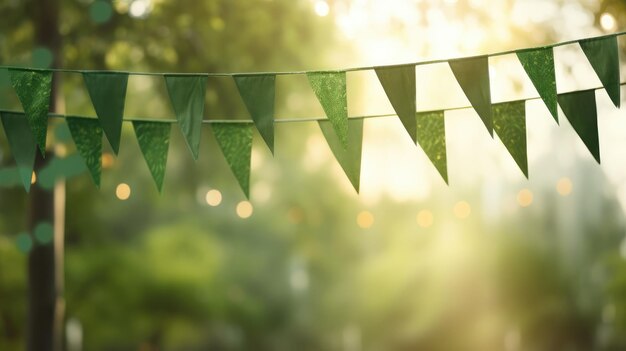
x,y
235,140
399,85
187,94
87,135
580,109
33,89
107,91
154,142
603,55
349,158
431,136
257,92
473,77
22,143
509,121
539,65
330,89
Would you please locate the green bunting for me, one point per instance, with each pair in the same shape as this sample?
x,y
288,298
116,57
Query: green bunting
x,y
187,94
580,109
509,121
235,140
539,65
399,85
330,89
473,77
603,55
154,142
22,143
87,135
33,89
349,158
257,92
107,91
431,136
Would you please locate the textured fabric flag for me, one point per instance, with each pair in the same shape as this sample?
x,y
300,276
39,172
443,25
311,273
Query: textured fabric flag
x,y
399,85
187,95
33,89
349,158
431,135
22,143
154,142
330,89
473,77
108,93
509,121
87,135
235,140
603,55
539,65
580,109
257,92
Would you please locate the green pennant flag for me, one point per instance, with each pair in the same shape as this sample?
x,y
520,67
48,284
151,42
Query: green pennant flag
x,y
257,92
107,91
399,85
580,109
509,121
87,135
330,89
235,140
539,65
473,77
154,142
22,143
603,55
431,135
187,94
349,158
33,89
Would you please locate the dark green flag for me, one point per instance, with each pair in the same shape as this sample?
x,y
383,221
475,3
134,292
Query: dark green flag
x,y
187,94
257,92
154,142
108,93
603,55
235,140
87,135
473,77
33,89
580,109
509,121
349,158
539,65
431,135
399,85
22,143
330,89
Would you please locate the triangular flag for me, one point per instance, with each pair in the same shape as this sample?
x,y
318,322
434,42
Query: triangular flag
x,y
330,89
431,135
580,109
87,135
235,140
509,121
603,55
108,93
257,92
399,85
349,158
187,94
22,143
154,142
473,77
33,89
539,65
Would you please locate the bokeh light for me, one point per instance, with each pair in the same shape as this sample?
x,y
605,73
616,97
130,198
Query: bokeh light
x,y
24,242
33,178
213,197
321,8
44,232
42,57
365,219
462,209
107,160
100,11
425,218
524,197
122,191
607,21
244,209
564,186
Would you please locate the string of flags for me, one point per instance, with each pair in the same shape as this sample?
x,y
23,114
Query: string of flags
x,y
26,131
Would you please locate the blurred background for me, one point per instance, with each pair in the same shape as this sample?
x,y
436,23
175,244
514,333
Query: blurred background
x,y
491,262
